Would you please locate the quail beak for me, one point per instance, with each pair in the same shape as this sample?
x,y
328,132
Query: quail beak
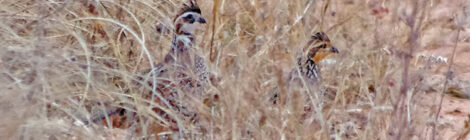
x,y
334,50
202,20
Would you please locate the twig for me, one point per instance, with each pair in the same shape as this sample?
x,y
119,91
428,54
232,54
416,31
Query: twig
x,y
214,20
325,7
414,22
445,86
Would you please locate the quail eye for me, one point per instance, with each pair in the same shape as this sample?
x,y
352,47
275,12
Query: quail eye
x,y
189,17
323,46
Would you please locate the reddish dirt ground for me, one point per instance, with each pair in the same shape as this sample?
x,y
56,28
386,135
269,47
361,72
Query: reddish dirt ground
x,y
455,110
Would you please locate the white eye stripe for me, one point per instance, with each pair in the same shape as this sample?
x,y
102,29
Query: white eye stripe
x,y
194,13
188,13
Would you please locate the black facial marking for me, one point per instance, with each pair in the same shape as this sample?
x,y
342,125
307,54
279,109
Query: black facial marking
x,y
186,33
322,46
193,9
189,8
189,16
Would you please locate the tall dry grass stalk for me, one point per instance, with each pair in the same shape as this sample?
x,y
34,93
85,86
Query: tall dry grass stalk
x,y
65,62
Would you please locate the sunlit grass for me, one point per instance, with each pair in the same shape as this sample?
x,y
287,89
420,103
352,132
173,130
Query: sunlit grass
x,y
64,62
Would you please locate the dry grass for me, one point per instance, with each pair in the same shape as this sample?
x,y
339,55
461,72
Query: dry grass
x,y
63,62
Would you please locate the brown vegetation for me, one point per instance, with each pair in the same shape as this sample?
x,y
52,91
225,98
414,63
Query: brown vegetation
x,y
64,62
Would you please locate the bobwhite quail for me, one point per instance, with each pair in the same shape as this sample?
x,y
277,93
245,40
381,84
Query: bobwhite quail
x,y
318,47
182,70
307,69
